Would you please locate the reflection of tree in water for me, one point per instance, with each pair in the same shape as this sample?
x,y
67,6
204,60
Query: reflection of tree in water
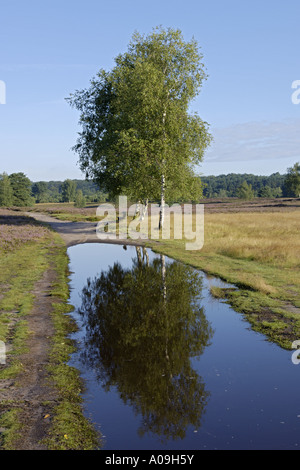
x,y
143,326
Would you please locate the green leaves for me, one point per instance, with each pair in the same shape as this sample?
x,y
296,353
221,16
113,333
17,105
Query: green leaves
x,y
143,326
68,190
6,191
135,122
21,189
292,181
245,191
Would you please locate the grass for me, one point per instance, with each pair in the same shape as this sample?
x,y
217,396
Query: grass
x,y
253,245
70,429
268,238
66,211
9,420
21,266
259,253
22,262
27,249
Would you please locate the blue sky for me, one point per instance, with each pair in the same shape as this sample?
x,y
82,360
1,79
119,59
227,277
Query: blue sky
x,y
51,48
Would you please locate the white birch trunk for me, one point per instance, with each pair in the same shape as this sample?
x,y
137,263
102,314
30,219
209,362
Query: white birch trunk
x,y
139,254
163,181
145,208
164,285
162,203
163,276
137,209
146,255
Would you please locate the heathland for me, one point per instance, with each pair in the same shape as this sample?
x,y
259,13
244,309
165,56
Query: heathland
x,y
40,395
253,245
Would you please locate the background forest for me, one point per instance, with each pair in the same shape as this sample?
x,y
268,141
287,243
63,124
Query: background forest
x,y
17,190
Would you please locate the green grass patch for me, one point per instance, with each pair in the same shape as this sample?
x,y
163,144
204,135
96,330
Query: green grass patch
x,y
20,268
70,429
9,421
257,252
68,212
260,287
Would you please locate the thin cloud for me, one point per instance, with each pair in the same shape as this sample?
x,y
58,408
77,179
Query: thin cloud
x,y
256,141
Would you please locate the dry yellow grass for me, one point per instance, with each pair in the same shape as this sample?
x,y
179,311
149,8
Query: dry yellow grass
x,y
258,252
269,238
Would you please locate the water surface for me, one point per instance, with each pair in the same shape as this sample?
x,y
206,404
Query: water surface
x,y
167,366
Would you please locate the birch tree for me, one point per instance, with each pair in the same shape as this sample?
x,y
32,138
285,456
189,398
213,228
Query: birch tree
x,y
138,137
143,327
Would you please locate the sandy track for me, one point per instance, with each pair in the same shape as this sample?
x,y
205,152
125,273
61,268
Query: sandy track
x,y
31,391
75,233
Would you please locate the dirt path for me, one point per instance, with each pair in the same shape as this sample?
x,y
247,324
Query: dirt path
x,y
75,233
31,391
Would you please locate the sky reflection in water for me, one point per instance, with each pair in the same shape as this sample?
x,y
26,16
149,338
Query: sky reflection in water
x,y
169,367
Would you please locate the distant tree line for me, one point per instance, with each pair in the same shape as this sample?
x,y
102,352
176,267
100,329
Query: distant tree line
x,y
17,190
79,191
247,186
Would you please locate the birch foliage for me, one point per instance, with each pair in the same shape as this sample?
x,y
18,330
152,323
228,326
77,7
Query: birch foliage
x,y
138,136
